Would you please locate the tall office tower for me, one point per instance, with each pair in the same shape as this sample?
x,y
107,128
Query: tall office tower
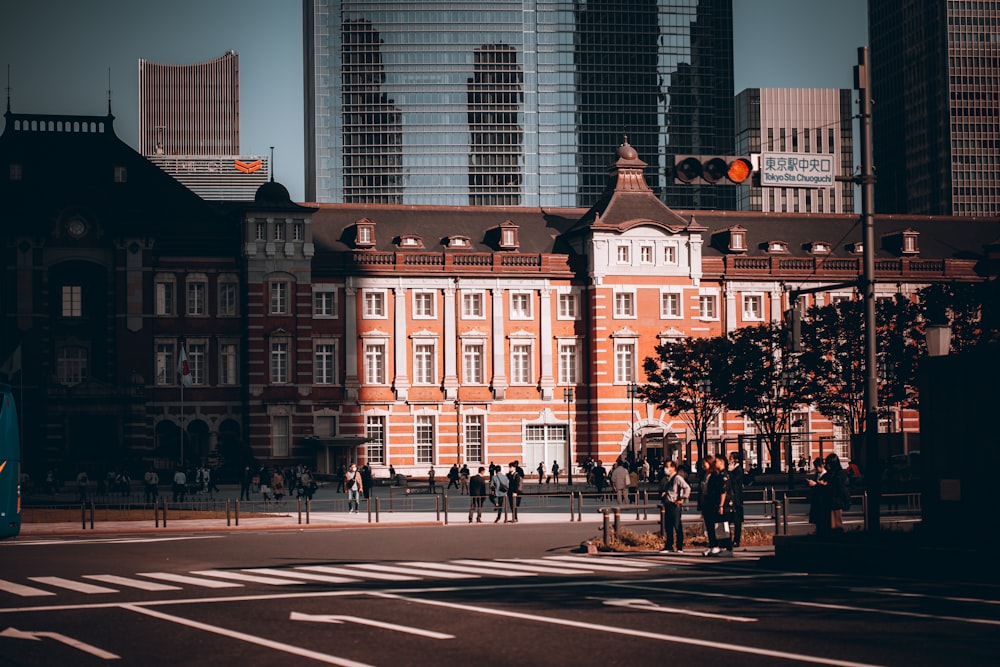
x,y
512,102
189,126
814,123
935,79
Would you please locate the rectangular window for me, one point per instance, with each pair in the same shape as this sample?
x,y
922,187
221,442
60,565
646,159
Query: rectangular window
x,y
72,301
279,231
624,254
474,439
228,300
375,363
568,363
298,231
472,305
228,360
375,432
646,254
324,363
624,304
520,364
472,363
279,297
260,231
281,430
196,354
670,254
670,305
166,364
753,307
164,297
324,304
71,365
279,362
374,304
423,305
625,363
707,307
196,298
567,307
424,437
423,364
520,306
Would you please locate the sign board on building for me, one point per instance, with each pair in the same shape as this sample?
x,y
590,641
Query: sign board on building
x,y
797,170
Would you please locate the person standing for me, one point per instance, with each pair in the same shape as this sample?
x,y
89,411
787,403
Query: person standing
x,y
555,472
354,485
674,492
515,480
709,501
477,494
245,483
151,483
463,479
541,471
620,481
431,483
367,482
599,476
736,480
498,490
82,482
180,485
838,494
819,509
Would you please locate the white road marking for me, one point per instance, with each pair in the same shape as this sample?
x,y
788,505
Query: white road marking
x,y
577,564
295,574
69,584
646,605
343,571
925,596
22,590
192,581
526,567
379,567
329,618
629,632
251,639
132,583
481,570
69,641
240,576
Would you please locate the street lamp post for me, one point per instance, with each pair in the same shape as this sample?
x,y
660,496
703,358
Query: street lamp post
x,y
568,395
633,389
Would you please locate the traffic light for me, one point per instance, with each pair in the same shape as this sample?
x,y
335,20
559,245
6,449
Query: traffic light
x,y
793,324
711,169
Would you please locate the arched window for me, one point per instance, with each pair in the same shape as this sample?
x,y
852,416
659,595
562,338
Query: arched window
x,y
71,365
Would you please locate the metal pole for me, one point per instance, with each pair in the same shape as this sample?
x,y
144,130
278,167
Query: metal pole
x,y
568,393
872,472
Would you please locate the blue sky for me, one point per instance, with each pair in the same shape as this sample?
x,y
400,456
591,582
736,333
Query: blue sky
x,y
60,51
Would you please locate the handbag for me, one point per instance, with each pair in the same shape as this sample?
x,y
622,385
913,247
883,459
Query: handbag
x,y
722,528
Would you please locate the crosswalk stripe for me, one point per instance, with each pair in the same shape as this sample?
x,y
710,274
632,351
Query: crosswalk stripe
x,y
482,569
191,581
295,574
524,567
132,583
22,590
629,563
379,567
385,576
69,584
240,576
575,564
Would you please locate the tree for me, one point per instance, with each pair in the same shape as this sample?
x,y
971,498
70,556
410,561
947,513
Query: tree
x,y
971,309
766,383
687,378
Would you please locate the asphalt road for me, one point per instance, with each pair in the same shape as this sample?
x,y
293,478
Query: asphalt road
x,y
481,594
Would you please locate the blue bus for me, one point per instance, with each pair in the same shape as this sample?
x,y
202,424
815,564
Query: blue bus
x,y
10,466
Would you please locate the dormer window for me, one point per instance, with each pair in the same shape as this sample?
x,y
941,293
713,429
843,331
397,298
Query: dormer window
x,y
508,236
732,239
737,240
459,242
777,247
910,243
364,235
856,248
411,241
819,248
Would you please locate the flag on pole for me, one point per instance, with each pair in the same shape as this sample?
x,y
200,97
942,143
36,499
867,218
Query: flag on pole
x,y
13,363
183,369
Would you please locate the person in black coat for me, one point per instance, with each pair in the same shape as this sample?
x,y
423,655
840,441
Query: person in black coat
x,y
838,493
736,482
819,508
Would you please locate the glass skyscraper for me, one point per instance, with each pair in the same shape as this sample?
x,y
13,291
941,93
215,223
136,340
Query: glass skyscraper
x,y
512,103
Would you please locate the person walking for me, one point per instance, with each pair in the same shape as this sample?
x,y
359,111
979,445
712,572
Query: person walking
x,y
620,481
710,501
736,481
463,479
180,485
453,477
674,492
245,483
477,494
498,490
151,482
355,486
367,482
838,492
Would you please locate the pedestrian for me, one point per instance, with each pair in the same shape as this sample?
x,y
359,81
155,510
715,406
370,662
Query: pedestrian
x,y
708,502
838,493
498,491
354,485
819,509
598,476
674,492
736,482
278,484
463,479
180,485
392,474
452,476
431,484
541,471
720,494
82,481
366,482
477,494
515,481
555,471
151,482
620,481
245,483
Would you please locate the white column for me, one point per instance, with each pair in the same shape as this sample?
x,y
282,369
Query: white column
x,y
776,310
730,295
450,345
351,342
499,380
545,342
401,382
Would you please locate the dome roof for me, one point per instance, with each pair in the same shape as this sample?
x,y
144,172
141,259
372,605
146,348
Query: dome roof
x,y
272,193
626,152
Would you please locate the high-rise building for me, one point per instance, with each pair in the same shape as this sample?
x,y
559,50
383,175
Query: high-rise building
x,y
815,123
189,126
511,102
935,79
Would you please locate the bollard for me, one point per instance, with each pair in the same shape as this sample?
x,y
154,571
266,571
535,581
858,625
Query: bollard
x,y
784,515
298,509
572,511
618,520
663,521
607,528
368,508
309,503
227,512
579,506
864,507
237,516
156,513
445,497
91,514
378,508
437,506
164,513
776,510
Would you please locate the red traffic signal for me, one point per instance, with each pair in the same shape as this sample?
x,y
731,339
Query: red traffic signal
x,y
711,169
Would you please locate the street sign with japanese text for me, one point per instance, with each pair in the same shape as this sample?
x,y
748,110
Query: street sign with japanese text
x,y
797,170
